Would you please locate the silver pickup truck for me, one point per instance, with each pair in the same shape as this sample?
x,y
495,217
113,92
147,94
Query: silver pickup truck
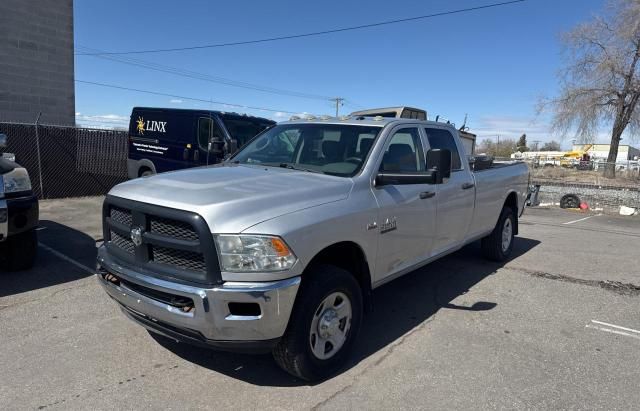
x,y
279,248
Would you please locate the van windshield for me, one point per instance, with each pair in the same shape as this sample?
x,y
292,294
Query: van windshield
x,y
244,129
334,149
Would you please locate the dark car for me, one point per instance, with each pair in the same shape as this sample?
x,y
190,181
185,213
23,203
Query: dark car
x,y
18,215
165,139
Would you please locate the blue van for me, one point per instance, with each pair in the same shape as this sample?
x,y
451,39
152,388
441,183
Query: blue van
x,y
165,139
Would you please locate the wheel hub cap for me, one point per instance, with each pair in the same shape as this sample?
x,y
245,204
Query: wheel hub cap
x,y
330,325
507,232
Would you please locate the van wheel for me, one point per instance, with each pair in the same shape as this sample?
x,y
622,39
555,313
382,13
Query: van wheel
x,y
146,173
323,326
20,251
498,245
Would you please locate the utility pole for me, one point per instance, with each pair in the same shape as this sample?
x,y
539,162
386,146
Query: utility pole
x,y
339,102
535,144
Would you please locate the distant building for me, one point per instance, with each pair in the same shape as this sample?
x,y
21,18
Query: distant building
x,y
601,151
36,61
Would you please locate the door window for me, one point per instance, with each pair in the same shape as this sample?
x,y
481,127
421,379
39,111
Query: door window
x,y
404,152
208,130
443,139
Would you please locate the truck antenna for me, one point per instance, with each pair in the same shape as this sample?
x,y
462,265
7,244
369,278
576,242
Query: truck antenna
x,y
464,123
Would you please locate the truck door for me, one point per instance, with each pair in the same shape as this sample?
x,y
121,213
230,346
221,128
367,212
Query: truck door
x,y
455,197
406,216
208,131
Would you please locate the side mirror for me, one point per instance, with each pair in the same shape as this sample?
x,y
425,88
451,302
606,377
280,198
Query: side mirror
x,y
439,161
3,141
386,178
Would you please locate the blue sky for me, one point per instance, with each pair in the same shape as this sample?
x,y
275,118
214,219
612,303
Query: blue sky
x,y
492,64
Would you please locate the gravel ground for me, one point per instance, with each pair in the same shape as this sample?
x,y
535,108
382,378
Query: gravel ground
x,y
539,332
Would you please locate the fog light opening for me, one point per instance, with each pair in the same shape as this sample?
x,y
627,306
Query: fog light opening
x,y
245,309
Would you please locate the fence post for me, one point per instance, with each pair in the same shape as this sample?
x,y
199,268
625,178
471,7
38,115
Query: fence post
x,y
39,160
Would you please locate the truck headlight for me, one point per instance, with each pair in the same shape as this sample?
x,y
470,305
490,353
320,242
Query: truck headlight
x,y
248,253
15,181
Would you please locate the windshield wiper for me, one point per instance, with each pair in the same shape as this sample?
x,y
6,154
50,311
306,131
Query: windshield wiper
x,y
297,168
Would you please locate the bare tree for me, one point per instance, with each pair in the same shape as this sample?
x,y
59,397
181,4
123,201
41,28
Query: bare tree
x,y
601,83
503,148
551,146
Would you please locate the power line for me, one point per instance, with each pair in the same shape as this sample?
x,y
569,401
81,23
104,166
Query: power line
x,y
202,76
183,97
315,33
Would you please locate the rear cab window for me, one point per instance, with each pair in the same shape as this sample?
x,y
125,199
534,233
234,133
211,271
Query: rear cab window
x,y
443,139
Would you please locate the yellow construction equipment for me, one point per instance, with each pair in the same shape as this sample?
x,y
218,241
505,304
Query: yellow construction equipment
x,y
577,158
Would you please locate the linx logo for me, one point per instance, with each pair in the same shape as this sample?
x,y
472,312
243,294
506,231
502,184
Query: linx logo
x,y
150,125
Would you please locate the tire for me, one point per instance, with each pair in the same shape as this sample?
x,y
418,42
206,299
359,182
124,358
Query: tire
x,y
294,352
146,173
495,246
20,251
570,201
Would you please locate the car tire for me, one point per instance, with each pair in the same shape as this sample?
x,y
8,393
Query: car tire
x,y
146,173
570,201
321,306
20,251
498,245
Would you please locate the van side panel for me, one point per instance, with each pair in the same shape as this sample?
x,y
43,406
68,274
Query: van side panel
x,y
162,138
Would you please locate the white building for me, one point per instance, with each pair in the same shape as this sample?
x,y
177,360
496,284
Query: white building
x,y
601,151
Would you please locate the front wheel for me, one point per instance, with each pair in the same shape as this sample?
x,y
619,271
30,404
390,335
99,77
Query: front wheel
x,y
323,325
498,245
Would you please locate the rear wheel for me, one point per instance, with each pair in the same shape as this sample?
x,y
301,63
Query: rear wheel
x,y
323,325
146,172
498,245
19,251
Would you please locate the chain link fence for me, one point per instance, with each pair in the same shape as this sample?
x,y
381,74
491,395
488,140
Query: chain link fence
x,y
68,161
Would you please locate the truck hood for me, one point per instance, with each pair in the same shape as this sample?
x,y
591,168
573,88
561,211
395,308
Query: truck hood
x,y
232,198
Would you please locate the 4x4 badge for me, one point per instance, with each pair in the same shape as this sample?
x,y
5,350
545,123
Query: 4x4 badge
x,y
389,224
136,236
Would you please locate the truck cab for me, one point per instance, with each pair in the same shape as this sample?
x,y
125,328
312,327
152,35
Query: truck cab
x,y
162,139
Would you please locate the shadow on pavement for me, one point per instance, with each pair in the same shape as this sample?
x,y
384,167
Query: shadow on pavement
x,y
50,269
398,307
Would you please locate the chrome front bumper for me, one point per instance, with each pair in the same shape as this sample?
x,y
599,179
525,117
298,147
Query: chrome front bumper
x,y
211,321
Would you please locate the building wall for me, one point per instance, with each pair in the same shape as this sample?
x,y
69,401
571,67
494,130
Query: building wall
x,y
601,151
36,61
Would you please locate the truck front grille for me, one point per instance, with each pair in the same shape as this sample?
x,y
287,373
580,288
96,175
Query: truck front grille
x,y
121,216
173,228
122,243
173,243
179,258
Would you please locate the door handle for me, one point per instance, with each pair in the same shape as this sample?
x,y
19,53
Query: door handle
x,y
467,186
427,194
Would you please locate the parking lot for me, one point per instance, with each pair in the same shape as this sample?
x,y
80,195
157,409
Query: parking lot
x,y
554,327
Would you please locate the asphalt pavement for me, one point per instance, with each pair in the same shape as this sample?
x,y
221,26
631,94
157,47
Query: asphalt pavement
x,y
557,326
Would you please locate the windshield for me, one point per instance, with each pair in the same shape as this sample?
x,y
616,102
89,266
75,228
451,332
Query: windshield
x,y
242,129
334,149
